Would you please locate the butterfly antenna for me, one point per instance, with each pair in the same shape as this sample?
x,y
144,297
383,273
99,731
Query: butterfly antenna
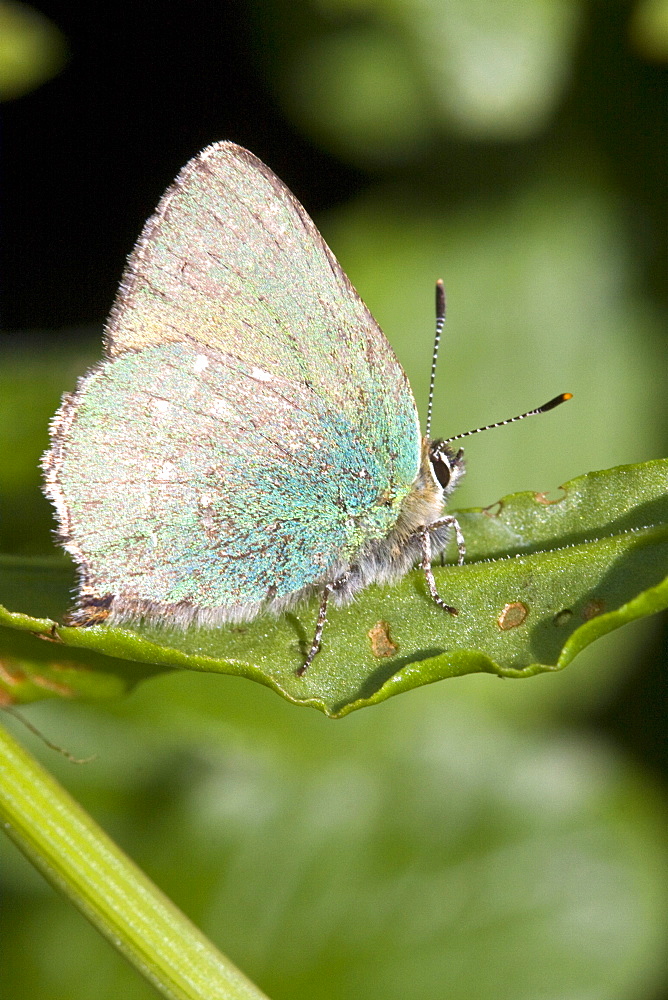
x,y
557,401
440,322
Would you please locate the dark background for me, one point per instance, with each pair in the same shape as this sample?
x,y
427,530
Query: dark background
x,y
87,155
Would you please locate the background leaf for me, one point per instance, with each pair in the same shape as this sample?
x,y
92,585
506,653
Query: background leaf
x,y
599,550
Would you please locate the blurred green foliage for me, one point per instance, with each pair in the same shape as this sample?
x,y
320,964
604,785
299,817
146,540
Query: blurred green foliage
x,y
428,848
32,49
375,80
470,839
649,28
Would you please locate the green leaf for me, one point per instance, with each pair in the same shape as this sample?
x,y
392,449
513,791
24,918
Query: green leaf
x,y
544,577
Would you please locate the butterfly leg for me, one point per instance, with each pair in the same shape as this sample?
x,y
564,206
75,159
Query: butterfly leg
x,y
426,558
452,522
328,589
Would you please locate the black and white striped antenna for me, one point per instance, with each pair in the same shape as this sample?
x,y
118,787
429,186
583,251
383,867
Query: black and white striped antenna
x,y
440,321
557,401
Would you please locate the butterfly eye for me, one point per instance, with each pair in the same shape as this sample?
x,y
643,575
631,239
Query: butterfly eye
x,y
440,463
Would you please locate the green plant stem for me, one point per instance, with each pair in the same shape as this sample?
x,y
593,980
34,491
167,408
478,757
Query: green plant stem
x,y
80,860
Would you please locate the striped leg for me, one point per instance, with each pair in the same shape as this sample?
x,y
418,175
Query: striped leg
x,y
451,522
316,645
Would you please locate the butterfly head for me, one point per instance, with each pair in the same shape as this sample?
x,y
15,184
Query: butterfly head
x,y
447,465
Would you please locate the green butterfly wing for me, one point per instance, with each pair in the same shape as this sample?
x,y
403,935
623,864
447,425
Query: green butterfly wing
x,y
251,428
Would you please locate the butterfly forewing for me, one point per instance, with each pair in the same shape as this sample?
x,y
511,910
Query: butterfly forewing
x,y
251,427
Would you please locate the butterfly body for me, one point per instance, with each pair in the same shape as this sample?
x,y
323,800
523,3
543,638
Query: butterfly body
x,y
250,437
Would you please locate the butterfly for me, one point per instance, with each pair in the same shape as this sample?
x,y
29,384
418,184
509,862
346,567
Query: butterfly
x,y
250,438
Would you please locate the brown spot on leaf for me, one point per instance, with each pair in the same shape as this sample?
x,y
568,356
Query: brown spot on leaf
x,y
562,617
512,615
544,498
50,636
381,644
494,509
593,609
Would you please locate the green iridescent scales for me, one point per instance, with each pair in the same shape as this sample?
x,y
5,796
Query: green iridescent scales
x,y
228,489
251,434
